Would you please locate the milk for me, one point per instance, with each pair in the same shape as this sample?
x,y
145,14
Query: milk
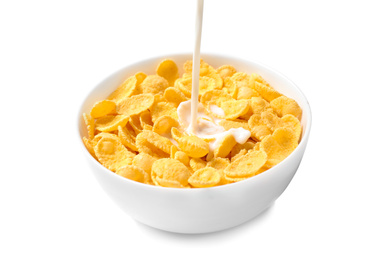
x,y
192,115
196,66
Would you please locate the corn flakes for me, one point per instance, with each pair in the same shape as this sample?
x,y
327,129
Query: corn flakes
x,y
135,132
205,177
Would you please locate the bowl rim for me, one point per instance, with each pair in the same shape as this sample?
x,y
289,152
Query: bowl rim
x,y
304,137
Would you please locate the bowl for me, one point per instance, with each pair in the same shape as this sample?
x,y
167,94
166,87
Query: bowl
x,y
201,210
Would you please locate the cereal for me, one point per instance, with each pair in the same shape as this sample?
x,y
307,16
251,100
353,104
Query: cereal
x,y
174,96
264,124
258,128
146,120
164,124
241,79
218,100
205,71
126,89
226,71
110,123
153,84
153,144
225,146
138,133
205,84
247,166
246,93
284,105
279,145
205,177
163,108
140,76
259,105
168,70
182,157
236,123
293,123
238,155
230,87
102,108
235,108
218,163
135,105
133,173
193,146
267,92
90,123
127,138
239,147
197,163
99,136
170,173
112,154
135,123
144,161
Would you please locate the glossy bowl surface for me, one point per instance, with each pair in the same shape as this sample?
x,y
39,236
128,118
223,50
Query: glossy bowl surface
x,y
207,209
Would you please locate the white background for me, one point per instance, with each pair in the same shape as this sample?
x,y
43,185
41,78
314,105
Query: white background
x,y
54,52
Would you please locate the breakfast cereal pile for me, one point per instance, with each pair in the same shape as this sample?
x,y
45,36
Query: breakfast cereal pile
x,y
140,130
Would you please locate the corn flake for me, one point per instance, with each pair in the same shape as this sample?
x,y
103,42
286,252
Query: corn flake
x,y
140,76
225,146
246,93
259,105
238,155
279,145
127,137
236,123
226,71
293,123
135,123
153,144
193,146
144,161
231,108
126,89
230,87
218,163
146,120
284,105
239,147
90,123
174,96
197,163
112,154
133,173
168,70
247,166
182,157
164,124
135,105
204,178
154,84
110,123
267,92
102,108
170,173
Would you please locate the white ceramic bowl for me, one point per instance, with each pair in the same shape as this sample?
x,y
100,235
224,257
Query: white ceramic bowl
x,y
207,209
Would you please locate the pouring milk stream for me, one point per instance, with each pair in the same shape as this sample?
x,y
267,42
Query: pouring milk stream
x,y
192,113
